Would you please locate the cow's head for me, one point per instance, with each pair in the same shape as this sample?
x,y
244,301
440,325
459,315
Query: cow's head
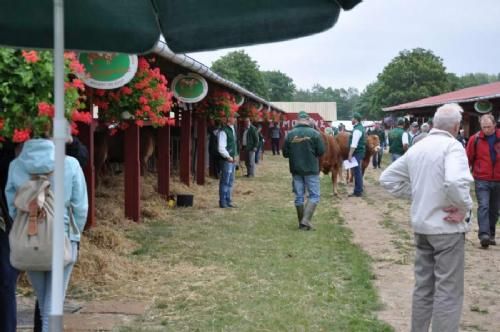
x,y
372,143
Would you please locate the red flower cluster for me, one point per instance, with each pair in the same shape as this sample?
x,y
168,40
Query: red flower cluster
x,y
45,109
30,56
218,104
21,135
145,98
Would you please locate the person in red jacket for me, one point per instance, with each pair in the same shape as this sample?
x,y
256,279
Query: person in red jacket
x,y
483,151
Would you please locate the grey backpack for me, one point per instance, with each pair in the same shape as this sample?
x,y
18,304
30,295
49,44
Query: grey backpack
x,y
30,238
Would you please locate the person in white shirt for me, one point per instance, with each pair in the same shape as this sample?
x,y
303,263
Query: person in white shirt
x,y
435,175
228,149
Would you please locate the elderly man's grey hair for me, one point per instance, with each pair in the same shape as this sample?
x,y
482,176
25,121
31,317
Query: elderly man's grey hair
x,y
425,127
447,117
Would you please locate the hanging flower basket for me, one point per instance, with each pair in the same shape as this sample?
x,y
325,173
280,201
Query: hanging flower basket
x,y
218,104
250,110
145,98
26,94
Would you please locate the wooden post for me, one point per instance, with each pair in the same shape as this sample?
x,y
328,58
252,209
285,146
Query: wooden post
x,y
201,157
163,144
132,173
265,132
86,136
185,164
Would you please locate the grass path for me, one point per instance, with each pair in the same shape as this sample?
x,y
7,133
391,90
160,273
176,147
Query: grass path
x,y
251,269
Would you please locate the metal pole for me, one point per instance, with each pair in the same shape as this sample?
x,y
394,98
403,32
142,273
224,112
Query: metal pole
x,y
60,125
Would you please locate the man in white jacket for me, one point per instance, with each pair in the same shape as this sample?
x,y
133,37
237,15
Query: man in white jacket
x,y
435,175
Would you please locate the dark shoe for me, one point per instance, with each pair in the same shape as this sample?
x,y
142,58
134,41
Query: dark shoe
x,y
484,240
222,206
354,195
230,205
493,242
300,213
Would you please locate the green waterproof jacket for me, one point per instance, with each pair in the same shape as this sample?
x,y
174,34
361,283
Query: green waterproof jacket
x,y
396,141
361,148
303,146
252,138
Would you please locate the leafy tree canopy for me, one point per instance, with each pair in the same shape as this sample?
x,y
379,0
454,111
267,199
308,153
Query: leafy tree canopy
x,y
279,86
239,67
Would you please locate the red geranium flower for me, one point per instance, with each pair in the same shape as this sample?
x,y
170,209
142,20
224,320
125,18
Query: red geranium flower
x,y
21,135
45,109
30,56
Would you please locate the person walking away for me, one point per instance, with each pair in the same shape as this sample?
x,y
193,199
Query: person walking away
x,y
249,143
396,143
228,149
377,156
435,175
357,144
37,158
275,134
260,147
303,146
483,151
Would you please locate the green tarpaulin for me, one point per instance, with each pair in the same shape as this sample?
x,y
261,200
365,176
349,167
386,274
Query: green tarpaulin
x,y
134,26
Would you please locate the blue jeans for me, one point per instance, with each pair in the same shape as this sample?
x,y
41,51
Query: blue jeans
x,y
488,201
226,183
8,278
395,156
42,283
358,175
302,183
257,155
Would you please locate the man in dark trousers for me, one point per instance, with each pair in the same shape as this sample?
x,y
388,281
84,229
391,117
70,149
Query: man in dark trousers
x,y
483,152
275,135
228,149
303,146
357,150
250,143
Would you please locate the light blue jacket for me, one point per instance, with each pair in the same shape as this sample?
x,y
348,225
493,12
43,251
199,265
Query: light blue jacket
x,y
37,157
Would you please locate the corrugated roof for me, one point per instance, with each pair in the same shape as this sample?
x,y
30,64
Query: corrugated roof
x,y
475,93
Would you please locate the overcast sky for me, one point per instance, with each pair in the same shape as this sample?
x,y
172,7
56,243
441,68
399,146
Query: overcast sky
x,y
464,33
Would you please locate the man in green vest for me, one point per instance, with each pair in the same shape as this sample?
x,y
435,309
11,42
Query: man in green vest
x,y
250,143
396,136
303,146
228,149
357,143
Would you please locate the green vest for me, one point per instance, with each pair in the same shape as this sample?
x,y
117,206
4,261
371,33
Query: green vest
x,y
361,148
231,145
396,141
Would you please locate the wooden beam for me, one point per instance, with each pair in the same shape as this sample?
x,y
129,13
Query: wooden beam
x,y
132,173
201,150
186,144
86,136
163,144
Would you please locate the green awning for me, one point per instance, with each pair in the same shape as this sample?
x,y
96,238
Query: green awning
x,y
134,26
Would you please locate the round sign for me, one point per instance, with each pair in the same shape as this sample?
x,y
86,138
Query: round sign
x,y
107,70
190,88
483,106
239,100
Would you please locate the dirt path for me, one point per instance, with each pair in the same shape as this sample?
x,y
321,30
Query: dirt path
x,y
380,225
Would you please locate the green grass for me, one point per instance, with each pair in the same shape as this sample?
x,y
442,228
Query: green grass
x,y
251,269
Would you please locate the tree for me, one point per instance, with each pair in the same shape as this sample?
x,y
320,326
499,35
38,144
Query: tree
x,y
237,66
279,86
412,75
368,104
345,99
473,79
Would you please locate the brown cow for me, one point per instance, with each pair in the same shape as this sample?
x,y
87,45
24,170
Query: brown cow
x,y
372,145
331,160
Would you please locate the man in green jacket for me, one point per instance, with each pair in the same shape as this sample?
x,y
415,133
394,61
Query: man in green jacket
x,y
303,146
396,140
228,149
357,144
250,143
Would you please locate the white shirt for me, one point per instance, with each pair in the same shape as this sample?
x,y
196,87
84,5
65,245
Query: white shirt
x,y
223,142
356,135
406,138
435,174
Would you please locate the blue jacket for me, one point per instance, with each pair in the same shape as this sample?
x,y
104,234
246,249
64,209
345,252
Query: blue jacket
x,y
37,157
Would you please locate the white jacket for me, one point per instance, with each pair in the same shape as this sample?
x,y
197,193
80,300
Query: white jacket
x,y
435,174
